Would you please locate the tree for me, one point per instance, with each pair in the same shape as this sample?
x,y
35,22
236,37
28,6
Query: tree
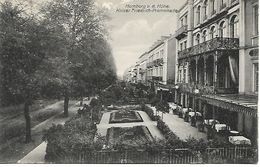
x,y
22,55
90,65
162,106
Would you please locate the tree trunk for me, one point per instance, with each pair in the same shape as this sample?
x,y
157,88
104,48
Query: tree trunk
x,y
66,104
28,137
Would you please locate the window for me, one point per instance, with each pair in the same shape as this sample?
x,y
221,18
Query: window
x,y
162,52
181,46
205,9
256,77
198,39
198,15
213,7
255,19
161,71
213,32
185,20
204,36
234,27
221,29
185,44
184,75
221,2
181,22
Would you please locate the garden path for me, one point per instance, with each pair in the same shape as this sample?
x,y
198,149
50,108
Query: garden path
x,y
37,155
182,129
151,125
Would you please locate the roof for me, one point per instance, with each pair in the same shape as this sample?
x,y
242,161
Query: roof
x,y
234,102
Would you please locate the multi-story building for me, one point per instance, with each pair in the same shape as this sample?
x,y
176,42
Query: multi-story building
x,y
217,67
130,74
161,65
141,70
161,61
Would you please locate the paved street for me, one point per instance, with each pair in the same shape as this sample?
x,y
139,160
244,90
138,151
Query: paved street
x,y
37,155
182,129
151,125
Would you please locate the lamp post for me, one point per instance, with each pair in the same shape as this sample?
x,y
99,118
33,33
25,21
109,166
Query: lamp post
x,y
176,95
196,92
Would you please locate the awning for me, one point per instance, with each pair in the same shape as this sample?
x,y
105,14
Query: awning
x,y
234,102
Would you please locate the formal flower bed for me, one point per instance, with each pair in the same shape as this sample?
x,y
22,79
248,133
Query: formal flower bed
x,y
125,116
130,137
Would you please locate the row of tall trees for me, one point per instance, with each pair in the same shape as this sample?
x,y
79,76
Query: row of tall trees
x,y
59,51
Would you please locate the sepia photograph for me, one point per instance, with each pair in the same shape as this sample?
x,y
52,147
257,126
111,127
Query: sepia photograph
x,y
129,82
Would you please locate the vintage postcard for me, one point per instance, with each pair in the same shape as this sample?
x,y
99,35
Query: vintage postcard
x,y
129,81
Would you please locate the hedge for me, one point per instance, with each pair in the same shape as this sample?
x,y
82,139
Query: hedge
x,y
149,112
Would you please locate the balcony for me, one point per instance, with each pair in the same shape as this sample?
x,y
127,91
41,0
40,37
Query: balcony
x,y
214,44
205,90
158,62
181,32
141,71
150,65
149,78
156,78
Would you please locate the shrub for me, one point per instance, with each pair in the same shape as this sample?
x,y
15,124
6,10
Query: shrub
x,y
162,106
75,136
154,101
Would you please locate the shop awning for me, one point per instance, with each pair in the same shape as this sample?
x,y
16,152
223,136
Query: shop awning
x,y
167,87
234,102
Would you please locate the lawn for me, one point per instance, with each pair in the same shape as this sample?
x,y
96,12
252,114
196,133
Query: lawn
x,y
12,124
125,116
129,136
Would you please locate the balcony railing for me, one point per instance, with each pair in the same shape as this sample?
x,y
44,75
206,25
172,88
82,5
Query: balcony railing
x,y
214,44
181,32
233,1
190,88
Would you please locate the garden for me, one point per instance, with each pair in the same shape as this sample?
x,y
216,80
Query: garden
x,y
129,137
125,116
78,142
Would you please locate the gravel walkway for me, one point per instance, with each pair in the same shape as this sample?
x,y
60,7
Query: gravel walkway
x,y
37,155
182,129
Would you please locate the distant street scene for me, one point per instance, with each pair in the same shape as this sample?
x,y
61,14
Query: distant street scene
x,y
129,81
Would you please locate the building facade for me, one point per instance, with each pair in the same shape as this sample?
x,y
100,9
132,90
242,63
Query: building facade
x,y
130,74
142,67
161,61
217,68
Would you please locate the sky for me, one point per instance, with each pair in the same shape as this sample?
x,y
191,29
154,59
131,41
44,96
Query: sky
x,y
132,33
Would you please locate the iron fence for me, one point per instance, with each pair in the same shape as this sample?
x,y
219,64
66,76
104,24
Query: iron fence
x,y
177,156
